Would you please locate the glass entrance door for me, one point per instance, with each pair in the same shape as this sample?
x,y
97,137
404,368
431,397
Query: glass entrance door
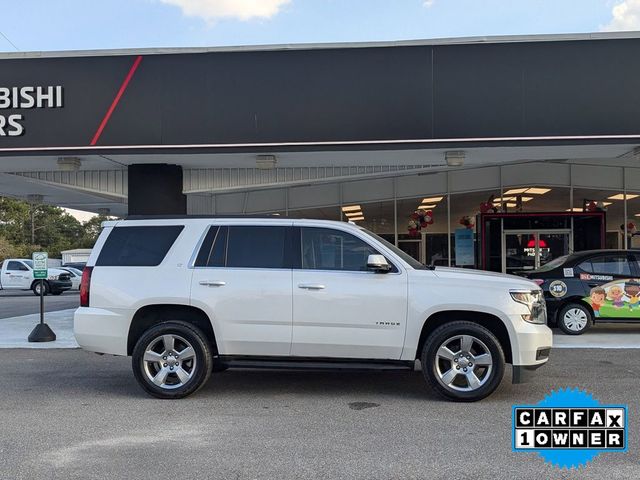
x,y
528,249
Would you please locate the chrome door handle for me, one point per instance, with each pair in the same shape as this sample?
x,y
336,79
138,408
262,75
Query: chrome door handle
x,y
311,286
209,283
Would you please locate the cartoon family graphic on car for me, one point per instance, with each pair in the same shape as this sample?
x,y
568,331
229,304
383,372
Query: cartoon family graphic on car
x,y
620,294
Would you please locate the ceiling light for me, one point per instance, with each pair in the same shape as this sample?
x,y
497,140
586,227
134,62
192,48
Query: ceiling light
x,y
537,191
454,158
353,214
356,219
266,162
351,208
575,209
504,199
432,199
526,199
426,207
606,204
529,190
511,205
515,191
620,196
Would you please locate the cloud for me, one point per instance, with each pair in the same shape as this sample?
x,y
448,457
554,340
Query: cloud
x,y
626,16
428,3
212,10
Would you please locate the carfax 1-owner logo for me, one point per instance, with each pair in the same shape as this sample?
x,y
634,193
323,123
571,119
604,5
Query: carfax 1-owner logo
x,y
569,428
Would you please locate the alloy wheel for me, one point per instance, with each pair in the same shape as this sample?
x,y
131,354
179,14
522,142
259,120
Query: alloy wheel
x,y
463,363
169,361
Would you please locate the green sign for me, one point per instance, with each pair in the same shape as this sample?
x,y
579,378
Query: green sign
x,y
40,265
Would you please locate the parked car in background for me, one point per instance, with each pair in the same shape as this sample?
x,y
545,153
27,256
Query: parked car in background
x,y
590,287
185,297
17,274
78,265
76,276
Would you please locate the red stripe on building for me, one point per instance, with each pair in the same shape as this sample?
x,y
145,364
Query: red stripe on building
x,y
114,104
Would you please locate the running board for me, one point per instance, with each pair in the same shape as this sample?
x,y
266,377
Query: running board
x,y
315,364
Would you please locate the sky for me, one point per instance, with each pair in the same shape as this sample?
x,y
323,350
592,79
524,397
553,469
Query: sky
x,y
38,25
46,25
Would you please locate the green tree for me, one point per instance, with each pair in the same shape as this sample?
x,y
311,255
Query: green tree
x,y
30,227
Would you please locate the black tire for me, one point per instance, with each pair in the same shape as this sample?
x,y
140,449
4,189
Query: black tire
x,y
35,288
572,317
198,366
434,368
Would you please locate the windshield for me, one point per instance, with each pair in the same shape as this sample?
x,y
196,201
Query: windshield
x,y
556,262
403,255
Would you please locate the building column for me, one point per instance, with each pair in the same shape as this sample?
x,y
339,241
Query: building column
x,y
156,189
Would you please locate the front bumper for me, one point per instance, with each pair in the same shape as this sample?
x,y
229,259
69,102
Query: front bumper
x,y
59,285
531,345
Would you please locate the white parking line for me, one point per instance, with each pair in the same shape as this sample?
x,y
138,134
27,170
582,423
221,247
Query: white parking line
x,y
14,331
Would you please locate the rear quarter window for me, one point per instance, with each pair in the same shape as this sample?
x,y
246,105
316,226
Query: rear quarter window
x,y
144,246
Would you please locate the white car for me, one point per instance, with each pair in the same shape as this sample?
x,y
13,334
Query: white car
x,y
17,274
76,276
185,297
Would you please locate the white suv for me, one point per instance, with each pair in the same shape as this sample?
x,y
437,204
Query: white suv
x,y
188,296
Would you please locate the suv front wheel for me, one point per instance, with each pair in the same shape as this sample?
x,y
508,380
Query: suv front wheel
x,y
463,361
172,360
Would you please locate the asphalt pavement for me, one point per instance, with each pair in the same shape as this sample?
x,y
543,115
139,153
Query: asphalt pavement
x,y
69,414
16,303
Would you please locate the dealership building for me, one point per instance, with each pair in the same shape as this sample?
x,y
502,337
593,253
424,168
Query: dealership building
x,y
514,150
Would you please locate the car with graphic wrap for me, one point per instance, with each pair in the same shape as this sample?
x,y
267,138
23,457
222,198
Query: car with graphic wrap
x,y
591,286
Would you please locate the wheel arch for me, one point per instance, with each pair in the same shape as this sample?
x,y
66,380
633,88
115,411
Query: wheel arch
x,y
491,322
151,315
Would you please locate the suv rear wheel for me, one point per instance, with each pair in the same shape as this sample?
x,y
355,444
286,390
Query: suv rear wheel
x,y
172,360
463,361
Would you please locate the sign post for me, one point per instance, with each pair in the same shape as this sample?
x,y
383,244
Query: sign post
x,y
42,332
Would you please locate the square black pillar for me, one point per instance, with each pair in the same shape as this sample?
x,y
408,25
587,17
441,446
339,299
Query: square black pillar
x,y
156,189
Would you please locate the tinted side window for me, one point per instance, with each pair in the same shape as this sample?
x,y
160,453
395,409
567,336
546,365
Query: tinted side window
x,y
256,247
213,252
16,266
326,249
138,246
607,265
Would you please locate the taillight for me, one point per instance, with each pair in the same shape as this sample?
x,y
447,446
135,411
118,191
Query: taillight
x,y
538,281
85,286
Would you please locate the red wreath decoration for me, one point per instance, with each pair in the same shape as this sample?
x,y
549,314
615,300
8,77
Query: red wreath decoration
x,y
467,222
488,206
418,220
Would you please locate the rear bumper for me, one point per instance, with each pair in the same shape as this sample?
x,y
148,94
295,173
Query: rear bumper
x,y
102,331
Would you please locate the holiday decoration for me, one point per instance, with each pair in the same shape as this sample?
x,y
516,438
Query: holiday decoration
x,y
419,219
631,229
488,206
467,222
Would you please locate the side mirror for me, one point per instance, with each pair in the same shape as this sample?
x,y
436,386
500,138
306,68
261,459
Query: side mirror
x,y
378,264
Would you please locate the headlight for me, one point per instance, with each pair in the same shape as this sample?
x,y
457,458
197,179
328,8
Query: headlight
x,y
534,300
53,277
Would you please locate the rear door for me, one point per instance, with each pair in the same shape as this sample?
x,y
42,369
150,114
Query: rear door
x,y
242,279
611,285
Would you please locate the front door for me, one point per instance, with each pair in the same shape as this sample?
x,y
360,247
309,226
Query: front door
x,y
17,275
524,250
242,279
341,309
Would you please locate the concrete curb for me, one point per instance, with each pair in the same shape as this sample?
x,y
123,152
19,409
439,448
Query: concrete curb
x,y
15,330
